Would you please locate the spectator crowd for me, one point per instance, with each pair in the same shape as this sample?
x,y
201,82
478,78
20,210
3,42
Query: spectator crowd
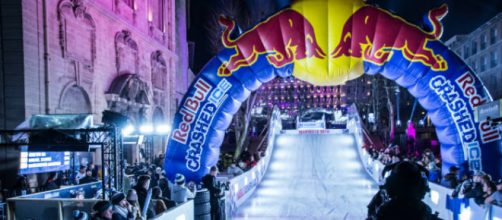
x,y
476,185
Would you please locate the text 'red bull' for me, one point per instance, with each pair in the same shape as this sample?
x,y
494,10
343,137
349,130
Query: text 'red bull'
x,y
284,37
373,34
190,109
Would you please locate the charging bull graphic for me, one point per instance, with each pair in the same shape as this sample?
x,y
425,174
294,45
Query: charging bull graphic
x,y
358,39
296,42
373,34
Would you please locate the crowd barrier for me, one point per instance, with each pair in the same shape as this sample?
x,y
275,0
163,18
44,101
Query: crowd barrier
x,y
243,186
39,208
184,211
438,198
59,204
53,204
89,189
61,209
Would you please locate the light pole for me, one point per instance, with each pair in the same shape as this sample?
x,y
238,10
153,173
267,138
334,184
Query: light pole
x,y
397,92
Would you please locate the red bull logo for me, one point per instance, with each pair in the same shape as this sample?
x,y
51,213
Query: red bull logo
x,y
284,37
374,34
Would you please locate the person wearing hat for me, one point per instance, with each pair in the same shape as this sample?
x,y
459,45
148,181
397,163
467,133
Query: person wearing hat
x,y
102,211
132,198
122,210
180,193
80,215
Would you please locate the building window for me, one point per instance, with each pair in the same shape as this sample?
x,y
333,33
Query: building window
x,y
466,51
483,64
494,59
474,65
493,35
157,8
483,42
130,3
474,47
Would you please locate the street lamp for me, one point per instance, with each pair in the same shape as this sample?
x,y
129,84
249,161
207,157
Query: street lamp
x,y
163,129
146,129
128,130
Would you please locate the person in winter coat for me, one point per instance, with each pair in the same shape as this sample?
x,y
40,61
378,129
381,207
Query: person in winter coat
x,y
132,198
215,193
142,189
450,180
180,193
164,186
158,203
122,210
472,188
406,187
234,170
102,211
88,178
52,182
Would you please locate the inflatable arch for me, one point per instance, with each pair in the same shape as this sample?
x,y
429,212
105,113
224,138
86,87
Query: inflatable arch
x,y
327,42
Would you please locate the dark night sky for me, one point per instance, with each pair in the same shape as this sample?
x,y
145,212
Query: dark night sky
x,y
464,16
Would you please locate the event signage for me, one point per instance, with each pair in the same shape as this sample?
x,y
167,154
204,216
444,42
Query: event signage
x,y
41,162
196,116
491,110
458,103
329,49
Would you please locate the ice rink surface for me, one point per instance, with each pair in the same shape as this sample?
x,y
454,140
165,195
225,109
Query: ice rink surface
x,y
312,177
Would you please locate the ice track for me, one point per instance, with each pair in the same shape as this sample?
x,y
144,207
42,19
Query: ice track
x,y
312,177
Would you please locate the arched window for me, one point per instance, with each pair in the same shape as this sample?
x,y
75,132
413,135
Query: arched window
x,y
74,100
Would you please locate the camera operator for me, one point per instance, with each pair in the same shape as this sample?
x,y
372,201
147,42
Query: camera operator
x,y
404,188
215,192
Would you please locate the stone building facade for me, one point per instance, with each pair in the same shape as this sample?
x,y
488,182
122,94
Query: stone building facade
x,y
482,50
82,56
87,56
